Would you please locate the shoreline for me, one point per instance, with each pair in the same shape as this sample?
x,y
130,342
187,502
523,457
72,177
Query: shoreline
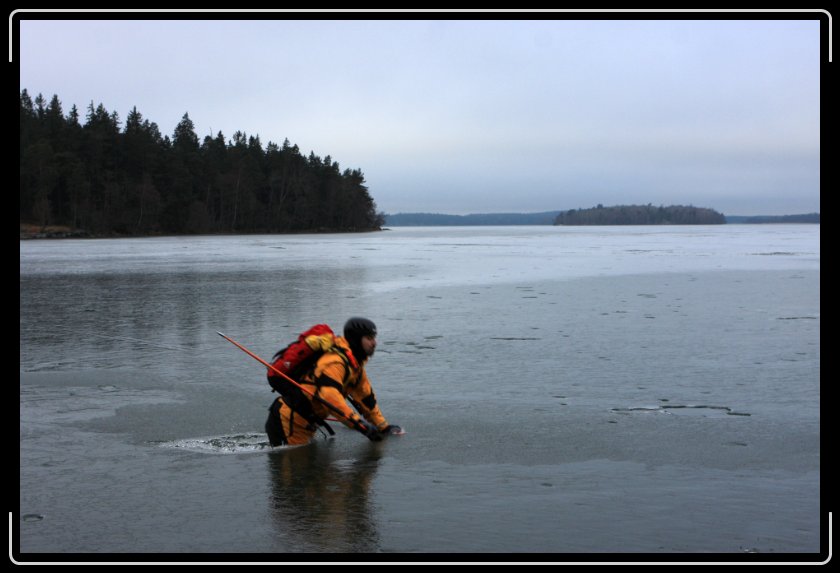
x,y
29,232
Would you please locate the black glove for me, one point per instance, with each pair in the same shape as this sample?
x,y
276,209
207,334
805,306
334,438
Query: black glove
x,y
391,429
370,432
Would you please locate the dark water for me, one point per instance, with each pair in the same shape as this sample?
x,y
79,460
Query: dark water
x,y
563,392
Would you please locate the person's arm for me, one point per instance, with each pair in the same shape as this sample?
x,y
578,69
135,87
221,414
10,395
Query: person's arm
x,y
329,376
364,400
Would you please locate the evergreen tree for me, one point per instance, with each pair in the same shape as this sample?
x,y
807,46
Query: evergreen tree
x,y
185,139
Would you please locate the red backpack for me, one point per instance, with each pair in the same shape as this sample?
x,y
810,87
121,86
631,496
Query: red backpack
x,y
296,359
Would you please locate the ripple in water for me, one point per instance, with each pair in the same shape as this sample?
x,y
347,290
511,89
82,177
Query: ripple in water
x,y
238,444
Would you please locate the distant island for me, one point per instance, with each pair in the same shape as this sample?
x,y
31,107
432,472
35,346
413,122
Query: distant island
x,y
641,215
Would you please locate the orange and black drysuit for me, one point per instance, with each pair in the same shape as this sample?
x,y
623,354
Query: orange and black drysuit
x,y
336,378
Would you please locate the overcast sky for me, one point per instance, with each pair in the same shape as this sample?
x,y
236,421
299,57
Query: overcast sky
x,y
477,116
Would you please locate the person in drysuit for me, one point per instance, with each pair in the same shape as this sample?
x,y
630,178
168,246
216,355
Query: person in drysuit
x,y
338,376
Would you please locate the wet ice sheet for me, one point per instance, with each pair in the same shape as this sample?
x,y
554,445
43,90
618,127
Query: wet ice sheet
x,y
417,257
540,402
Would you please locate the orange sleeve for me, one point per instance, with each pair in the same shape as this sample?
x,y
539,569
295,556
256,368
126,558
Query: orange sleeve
x,y
329,376
364,400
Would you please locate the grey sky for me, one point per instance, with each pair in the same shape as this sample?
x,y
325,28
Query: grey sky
x,y
478,115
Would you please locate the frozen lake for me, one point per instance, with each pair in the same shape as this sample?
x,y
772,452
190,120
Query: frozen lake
x,y
566,390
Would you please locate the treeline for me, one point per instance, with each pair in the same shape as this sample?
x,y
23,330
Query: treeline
x,y
641,215
98,175
774,219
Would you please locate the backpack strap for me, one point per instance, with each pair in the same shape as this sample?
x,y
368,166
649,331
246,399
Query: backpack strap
x,y
349,362
304,409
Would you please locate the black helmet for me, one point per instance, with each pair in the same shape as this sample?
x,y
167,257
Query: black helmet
x,y
357,327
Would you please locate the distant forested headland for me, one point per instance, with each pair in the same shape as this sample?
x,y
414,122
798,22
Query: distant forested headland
x,y
99,177
641,215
